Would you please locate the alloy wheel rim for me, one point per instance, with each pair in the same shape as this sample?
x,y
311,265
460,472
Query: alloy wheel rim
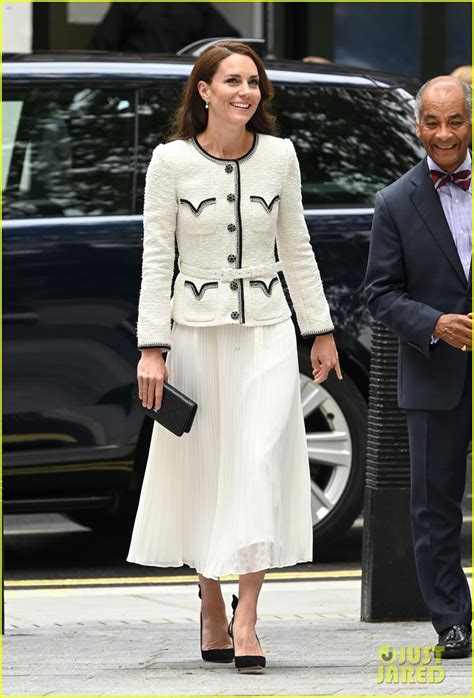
x,y
329,445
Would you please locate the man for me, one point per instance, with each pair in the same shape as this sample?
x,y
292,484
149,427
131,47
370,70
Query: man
x,y
418,283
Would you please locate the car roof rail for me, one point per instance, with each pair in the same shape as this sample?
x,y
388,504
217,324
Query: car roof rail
x,y
198,47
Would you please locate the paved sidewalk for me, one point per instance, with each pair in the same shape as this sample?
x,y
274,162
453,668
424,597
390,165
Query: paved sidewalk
x,y
144,641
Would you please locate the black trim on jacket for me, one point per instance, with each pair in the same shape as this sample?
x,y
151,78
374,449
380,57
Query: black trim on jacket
x,y
260,283
197,211
268,207
155,346
244,157
239,247
200,293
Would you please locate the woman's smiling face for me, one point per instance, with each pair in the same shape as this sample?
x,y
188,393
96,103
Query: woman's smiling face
x,y
234,93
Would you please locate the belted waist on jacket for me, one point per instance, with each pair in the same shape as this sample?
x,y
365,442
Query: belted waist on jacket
x,y
230,274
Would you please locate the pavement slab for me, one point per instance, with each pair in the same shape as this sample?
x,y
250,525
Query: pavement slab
x,y
144,641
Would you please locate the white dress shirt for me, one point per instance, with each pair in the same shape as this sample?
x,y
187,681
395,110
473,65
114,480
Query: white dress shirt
x,y
457,208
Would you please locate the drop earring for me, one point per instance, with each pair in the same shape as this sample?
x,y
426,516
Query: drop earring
x,y
206,105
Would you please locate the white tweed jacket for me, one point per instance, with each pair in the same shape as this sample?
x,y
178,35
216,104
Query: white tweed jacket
x,y
225,217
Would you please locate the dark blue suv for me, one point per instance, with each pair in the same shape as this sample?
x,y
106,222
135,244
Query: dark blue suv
x,y
78,133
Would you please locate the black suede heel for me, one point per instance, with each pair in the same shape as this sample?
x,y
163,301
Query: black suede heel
x,y
224,656
246,664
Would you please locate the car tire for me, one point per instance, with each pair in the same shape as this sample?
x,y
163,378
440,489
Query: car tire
x,y
330,409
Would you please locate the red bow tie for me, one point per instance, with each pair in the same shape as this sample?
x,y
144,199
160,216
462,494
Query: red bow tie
x,y
461,179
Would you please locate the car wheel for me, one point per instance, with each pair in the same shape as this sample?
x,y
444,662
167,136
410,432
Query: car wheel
x,y
335,415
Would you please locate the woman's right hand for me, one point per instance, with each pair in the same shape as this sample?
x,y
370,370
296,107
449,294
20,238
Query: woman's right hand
x,y
151,374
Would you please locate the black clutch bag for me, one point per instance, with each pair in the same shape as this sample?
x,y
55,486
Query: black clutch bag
x,y
177,411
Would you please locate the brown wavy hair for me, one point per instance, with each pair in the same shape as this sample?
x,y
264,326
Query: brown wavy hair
x,y
191,116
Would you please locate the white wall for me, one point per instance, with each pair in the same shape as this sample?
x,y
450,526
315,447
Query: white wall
x,y
17,27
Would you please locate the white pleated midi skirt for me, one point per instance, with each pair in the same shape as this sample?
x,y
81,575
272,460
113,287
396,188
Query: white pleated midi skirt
x,y
233,496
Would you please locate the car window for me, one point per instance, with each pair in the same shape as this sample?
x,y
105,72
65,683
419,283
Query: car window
x,y
67,152
350,142
156,109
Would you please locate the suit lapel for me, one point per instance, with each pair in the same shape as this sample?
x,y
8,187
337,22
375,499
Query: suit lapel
x,y
428,204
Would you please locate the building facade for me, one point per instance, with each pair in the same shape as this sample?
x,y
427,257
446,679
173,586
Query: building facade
x,y
418,39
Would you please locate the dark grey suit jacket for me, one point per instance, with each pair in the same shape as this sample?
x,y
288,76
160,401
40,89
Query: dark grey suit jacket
x,y
414,275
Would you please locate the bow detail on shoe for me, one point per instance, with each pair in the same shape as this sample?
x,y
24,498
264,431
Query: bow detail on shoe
x,y
245,664
235,601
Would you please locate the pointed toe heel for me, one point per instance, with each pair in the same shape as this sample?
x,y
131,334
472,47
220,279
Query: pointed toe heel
x,y
250,665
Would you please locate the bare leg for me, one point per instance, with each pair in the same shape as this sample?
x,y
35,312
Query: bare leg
x,y
245,639
214,619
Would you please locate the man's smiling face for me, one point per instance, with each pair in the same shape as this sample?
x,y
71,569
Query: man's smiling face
x,y
444,126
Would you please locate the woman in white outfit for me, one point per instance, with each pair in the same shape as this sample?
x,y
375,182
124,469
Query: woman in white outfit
x,y
233,495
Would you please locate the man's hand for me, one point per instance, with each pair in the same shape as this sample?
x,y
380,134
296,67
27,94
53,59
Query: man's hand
x,y
324,358
454,329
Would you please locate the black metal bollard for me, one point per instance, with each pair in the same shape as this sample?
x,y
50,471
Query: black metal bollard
x,y
390,590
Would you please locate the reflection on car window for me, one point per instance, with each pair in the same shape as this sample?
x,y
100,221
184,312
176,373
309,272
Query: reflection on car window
x,y
11,113
69,152
156,110
350,142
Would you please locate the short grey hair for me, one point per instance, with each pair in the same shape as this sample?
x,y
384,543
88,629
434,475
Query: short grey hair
x,y
466,88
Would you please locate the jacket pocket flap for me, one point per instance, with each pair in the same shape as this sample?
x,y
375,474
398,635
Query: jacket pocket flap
x,y
259,283
199,292
197,211
267,206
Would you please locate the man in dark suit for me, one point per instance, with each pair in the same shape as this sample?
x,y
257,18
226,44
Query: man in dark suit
x,y
418,283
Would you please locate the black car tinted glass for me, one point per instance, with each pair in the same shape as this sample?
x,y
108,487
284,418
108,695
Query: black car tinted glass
x,y
68,151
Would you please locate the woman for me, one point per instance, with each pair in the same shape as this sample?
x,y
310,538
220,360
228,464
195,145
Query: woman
x,y
233,496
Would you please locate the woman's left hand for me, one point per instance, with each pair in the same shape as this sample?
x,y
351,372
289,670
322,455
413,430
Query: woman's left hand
x,y
324,358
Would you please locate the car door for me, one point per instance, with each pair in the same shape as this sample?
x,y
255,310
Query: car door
x,y
72,249
352,139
